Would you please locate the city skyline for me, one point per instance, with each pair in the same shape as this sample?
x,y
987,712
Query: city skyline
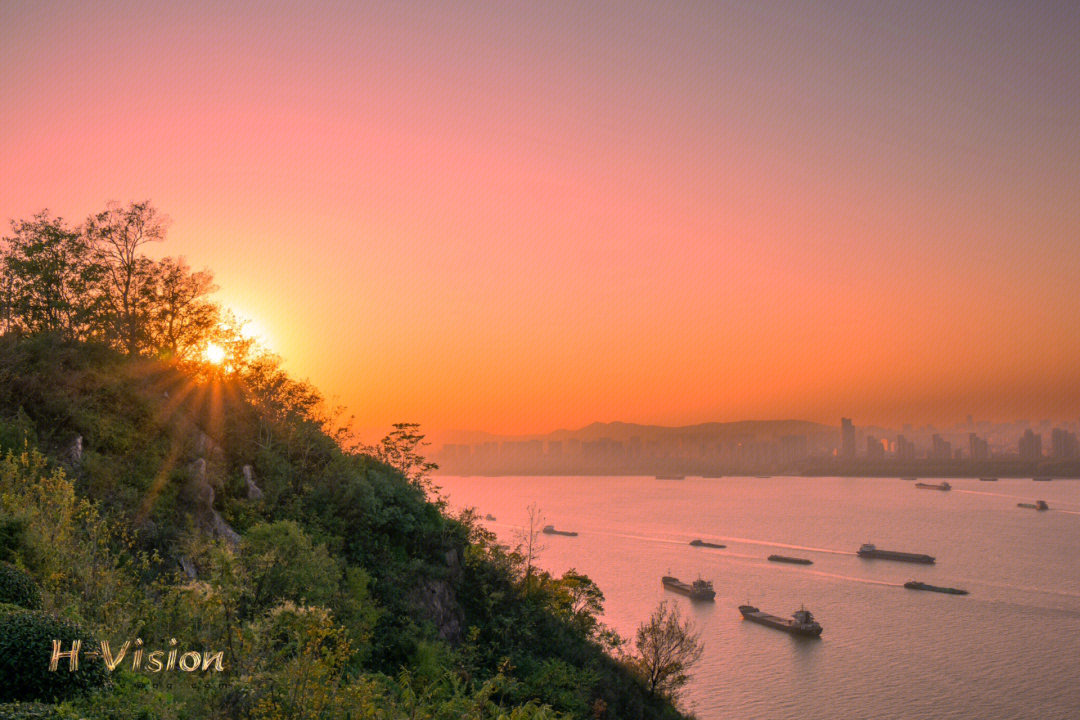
x,y
785,447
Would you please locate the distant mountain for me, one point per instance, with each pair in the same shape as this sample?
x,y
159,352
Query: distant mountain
x,y
622,431
760,429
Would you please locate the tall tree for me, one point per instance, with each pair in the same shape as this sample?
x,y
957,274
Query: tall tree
x,y
181,317
117,233
50,276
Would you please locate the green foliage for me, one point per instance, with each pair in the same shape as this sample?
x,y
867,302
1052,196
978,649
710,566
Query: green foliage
x,y
17,432
93,283
86,566
400,450
12,536
50,271
32,711
283,564
18,588
26,641
667,646
352,593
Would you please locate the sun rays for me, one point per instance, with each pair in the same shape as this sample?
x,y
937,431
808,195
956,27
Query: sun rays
x,y
195,408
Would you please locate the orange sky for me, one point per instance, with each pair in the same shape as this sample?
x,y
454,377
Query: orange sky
x,y
519,217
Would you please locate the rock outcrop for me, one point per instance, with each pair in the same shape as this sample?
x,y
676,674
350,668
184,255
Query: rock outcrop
x,y
253,490
74,451
437,602
206,517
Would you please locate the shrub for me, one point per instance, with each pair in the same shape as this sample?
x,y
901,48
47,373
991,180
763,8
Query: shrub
x,y
12,536
29,711
18,588
25,650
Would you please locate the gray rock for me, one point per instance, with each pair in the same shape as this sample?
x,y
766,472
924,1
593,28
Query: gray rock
x,y
188,568
205,514
253,490
75,450
437,603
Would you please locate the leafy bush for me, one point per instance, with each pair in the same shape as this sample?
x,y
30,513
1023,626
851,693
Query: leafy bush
x,y
25,651
12,535
18,588
29,711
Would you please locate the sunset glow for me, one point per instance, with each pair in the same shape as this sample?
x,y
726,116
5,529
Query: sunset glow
x,y
215,354
516,219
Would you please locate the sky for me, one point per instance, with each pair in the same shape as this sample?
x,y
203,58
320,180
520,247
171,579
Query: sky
x,y
518,217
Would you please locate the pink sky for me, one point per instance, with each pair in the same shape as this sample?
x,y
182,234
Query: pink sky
x,y
518,217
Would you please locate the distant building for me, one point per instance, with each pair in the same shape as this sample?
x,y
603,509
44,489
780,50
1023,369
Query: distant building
x,y
1063,445
874,449
847,438
1030,445
941,448
905,449
978,448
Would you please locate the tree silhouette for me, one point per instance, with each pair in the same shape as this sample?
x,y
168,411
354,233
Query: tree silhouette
x,y
667,647
117,233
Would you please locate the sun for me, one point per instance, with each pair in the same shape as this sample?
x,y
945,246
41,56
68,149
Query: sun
x,y
214,354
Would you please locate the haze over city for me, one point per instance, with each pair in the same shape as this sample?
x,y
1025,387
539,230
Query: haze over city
x,y
517,219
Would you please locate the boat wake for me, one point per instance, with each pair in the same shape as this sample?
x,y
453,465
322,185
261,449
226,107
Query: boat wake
x,y
1022,588
728,538
1013,497
852,578
766,543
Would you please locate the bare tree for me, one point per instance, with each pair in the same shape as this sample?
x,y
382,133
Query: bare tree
x,y
118,233
528,539
667,647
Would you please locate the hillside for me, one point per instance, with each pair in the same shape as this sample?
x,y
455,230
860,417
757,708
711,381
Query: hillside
x,y
147,499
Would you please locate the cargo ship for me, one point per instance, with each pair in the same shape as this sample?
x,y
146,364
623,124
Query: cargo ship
x,y
1037,505
931,486
550,530
988,479
869,550
916,585
909,479
670,477
793,560
697,590
701,543
803,622
1042,478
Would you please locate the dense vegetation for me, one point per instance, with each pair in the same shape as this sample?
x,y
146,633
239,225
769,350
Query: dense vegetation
x,y
146,495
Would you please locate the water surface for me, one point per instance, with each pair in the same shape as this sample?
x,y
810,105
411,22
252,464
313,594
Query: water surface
x,y
1010,649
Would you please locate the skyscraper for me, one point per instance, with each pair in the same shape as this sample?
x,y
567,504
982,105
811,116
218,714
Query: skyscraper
x,y
1063,444
1030,446
847,438
978,448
